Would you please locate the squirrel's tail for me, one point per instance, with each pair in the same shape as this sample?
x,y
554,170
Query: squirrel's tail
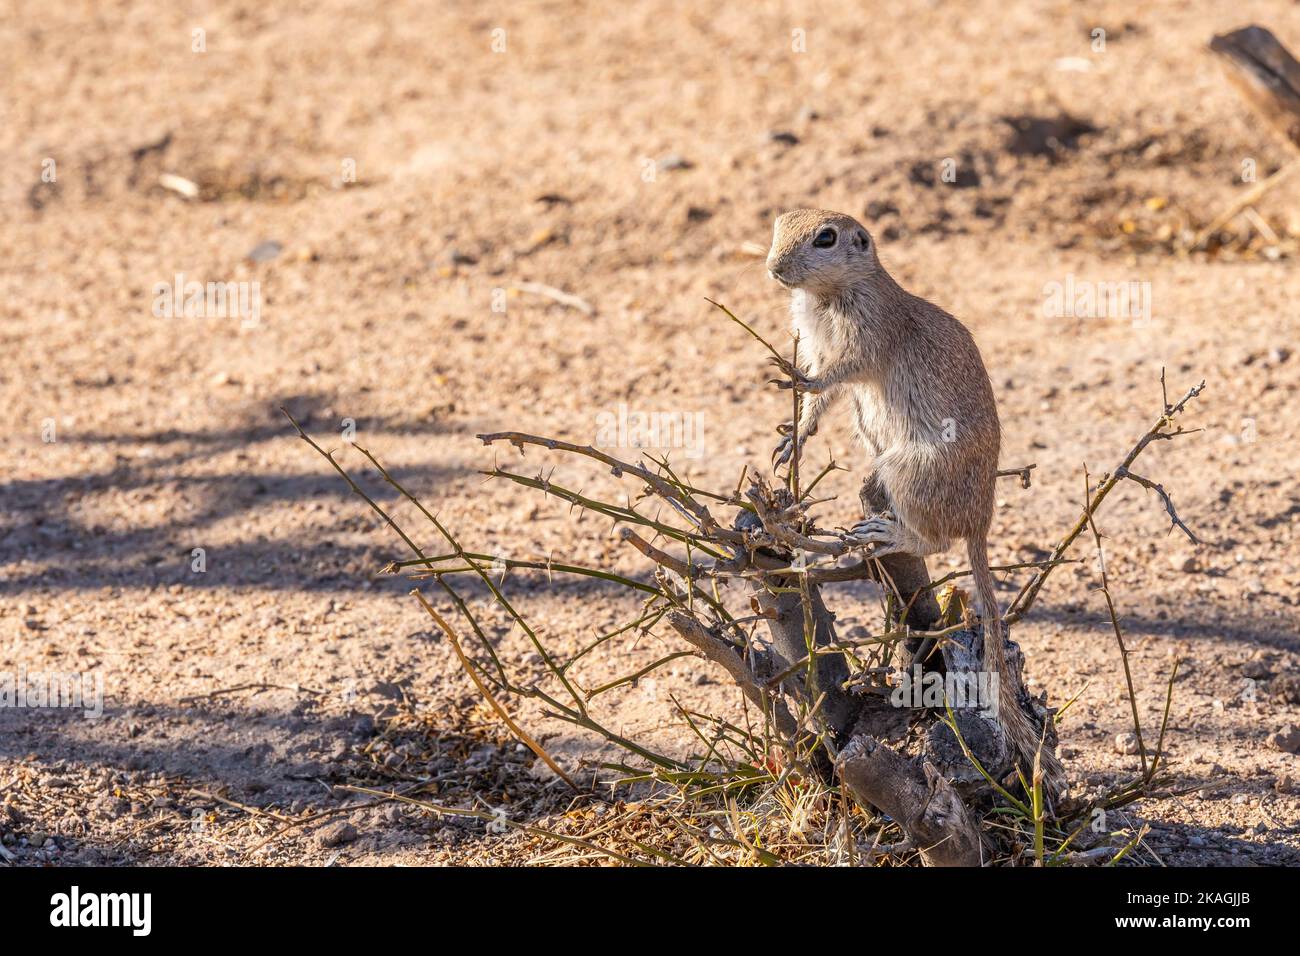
x,y
1020,734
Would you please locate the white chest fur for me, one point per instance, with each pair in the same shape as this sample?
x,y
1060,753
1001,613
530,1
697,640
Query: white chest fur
x,y
824,335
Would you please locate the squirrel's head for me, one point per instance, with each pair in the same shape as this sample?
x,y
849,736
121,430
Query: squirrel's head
x,y
820,251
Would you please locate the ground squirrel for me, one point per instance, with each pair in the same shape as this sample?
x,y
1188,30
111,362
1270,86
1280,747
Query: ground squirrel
x,y
923,408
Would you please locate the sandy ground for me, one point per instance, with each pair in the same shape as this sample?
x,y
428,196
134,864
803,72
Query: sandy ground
x,y
411,176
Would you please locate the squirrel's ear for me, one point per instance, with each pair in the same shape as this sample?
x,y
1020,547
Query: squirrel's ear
x,y
861,240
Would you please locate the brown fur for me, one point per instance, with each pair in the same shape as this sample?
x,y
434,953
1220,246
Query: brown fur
x,y
923,408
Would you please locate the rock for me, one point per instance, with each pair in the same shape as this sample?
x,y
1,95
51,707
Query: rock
x,y
1286,687
1185,562
386,689
878,209
1126,743
1256,670
783,136
1286,740
1285,783
265,251
673,161
338,752
337,834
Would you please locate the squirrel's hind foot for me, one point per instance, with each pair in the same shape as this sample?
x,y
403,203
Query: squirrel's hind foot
x,y
883,532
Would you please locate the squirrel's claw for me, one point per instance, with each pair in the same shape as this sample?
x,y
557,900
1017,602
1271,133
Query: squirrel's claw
x,y
793,377
880,531
783,452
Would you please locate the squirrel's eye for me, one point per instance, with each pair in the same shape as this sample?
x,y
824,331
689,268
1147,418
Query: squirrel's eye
x,y
825,239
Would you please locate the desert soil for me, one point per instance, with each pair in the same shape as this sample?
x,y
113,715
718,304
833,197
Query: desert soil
x,y
390,176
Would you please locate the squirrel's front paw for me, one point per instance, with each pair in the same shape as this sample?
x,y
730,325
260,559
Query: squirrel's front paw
x,y
793,377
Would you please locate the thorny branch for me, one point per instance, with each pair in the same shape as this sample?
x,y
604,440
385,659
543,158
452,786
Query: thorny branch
x,y
783,556
1164,429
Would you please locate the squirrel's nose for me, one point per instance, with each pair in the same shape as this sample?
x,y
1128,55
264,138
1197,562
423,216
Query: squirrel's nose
x,y
778,270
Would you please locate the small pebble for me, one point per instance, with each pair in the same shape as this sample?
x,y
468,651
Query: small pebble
x,y
265,251
336,834
1286,740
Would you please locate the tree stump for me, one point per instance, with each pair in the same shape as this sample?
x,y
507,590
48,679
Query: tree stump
x,y
902,759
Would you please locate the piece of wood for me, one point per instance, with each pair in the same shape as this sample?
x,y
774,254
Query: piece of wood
x,y
715,649
1266,74
928,808
1248,198
783,605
